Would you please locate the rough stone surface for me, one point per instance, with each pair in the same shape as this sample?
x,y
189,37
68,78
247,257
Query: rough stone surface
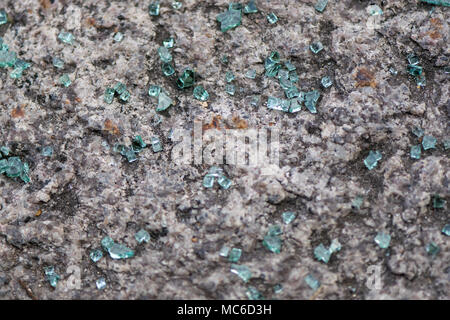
x,y
86,191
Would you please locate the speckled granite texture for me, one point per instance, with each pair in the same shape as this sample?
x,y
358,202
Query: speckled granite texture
x,y
86,191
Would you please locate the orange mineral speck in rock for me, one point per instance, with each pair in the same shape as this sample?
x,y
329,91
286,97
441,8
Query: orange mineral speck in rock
x,y
365,78
38,213
18,112
215,123
239,123
111,127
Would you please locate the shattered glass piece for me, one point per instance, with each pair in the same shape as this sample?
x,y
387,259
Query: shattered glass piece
x,y
312,282
272,18
292,92
250,7
58,63
229,76
272,71
138,144
357,202
167,69
224,251
278,288
7,58
5,150
125,96
416,151
235,6
446,144
51,276
393,71
289,66
326,82
66,37
321,5
224,182
335,246
65,80
168,43
273,243
153,8
421,81
432,249
107,243
3,17
96,255
444,3
311,99
234,255
251,74
229,19
293,77
316,47
322,254
177,5
47,151
283,74
120,88
187,79
118,36
154,91
374,10
130,154
253,294
120,251
142,236
21,64
100,283
275,230
446,230
208,181
230,89
414,70
164,101
242,271
16,73
156,144
255,101
164,54
438,202
413,60
295,106
418,132
383,240
428,142
285,83
109,95
224,59
372,159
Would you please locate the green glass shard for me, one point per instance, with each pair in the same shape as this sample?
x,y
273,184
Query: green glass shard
x,y
168,43
66,37
3,46
51,276
418,132
292,92
125,96
177,5
251,74
142,236
383,240
415,152
130,154
187,79
372,159
273,103
255,101
288,217
100,283
224,59
272,71
432,249
335,246
311,99
7,58
120,251
138,144
278,288
154,91
3,17
393,71
446,230
446,144
4,150
273,243
312,282
16,73
272,18
224,251
357,202
374,10
316,47
234,255
235,6
224,182
47,151
118,36
120,88
295,106
167,69
153,8
3,165
109,95
429,142
253,294
322,254
326,82
200,93
164,54
58,63
438,202
414,70
229,19
96,255
421,81
241,271
208,181
293,77
107,243
275,230
321,5
250,7
444,3
229,76
230,89
413,60
156,144
164,101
